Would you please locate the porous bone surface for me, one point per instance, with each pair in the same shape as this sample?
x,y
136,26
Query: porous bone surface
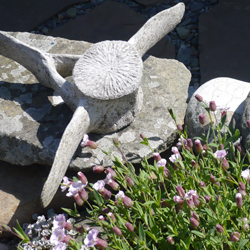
x,y
31,127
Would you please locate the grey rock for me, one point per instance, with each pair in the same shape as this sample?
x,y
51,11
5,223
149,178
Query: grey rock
x,y
33,126
196,7
194,62
71,12
226,92
149,2
186,22
183,32
243,126
184,54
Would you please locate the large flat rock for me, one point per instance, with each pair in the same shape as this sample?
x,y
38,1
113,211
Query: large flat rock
x,y
25,15
224,41
111,21
31,127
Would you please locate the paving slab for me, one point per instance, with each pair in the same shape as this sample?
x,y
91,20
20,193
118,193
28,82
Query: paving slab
x,y
25,15
224,41
110,21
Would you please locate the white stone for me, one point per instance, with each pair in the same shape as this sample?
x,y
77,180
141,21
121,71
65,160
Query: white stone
x,y
226,92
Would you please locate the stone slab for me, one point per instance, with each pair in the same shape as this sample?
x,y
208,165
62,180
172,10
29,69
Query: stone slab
x,y
31,127
25,15
224,40
226,92
244,128
111,21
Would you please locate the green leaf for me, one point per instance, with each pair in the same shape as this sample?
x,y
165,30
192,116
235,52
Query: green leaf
x,y
199,234
98,198
148,203
71,212
21,233
139,208
142,235
124,246
243,242
152,236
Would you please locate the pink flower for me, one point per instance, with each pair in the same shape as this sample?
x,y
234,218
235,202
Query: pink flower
x,y
220,154
60,246
91,238
85,140
246,174
174,158
65,183
99,185
189,195
175,150
157,156
120,195
59,221
161,163
57,236
74,188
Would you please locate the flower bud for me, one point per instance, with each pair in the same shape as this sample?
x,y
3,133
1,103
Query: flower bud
x,y
224,113
248,124
194,164
117,231
80,229
219,228
212,178
129,181
67,239
196,201
129,226
217,184
190,203
179,127
202,184
207,198
221,147
171,112
116,143
83,195
105,210
114,185
164,203
98,169
112,217
78,200
180,191
217,197
157,157
101,244
101,217
106,194
195,215
92,144
194,222
68,226
127,202
111,171
170,240
198,146
142,136
202,119
239,201
166,172
212,106
225,164
242,186
198,98
152,212
82,178
178,200
246,227
235,236
190,143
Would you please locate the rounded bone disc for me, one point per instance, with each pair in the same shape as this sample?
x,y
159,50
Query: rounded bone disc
x,y
108,70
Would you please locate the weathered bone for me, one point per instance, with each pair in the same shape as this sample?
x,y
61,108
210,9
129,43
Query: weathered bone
x,y
105,96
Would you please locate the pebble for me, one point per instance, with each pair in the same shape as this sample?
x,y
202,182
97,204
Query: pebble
x,y
196,6
186,32
183,32
72,12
